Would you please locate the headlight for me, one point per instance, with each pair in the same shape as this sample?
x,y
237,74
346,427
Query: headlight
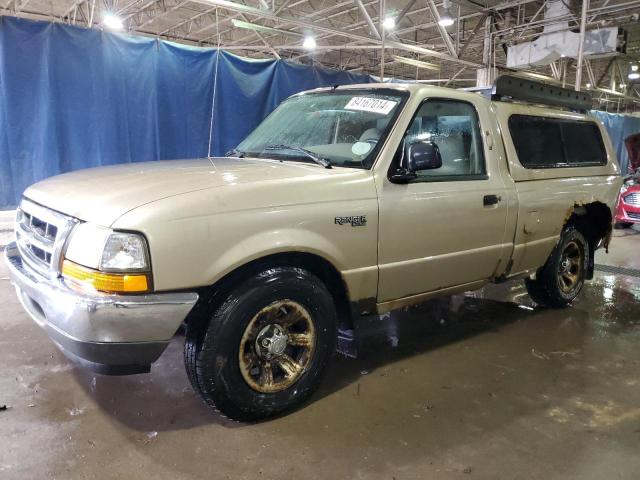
x,y
124,252
108,261
86,245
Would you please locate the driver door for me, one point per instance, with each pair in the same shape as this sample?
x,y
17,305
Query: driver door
x,y
446,227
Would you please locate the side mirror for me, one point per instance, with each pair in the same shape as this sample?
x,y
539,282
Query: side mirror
x,y
422,156
417,156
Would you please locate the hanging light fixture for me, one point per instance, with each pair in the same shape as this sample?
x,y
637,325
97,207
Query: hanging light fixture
x,y
389,23
309,43
112,21
446,19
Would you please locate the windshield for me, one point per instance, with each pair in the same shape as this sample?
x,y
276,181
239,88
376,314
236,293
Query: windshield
x,y
342,128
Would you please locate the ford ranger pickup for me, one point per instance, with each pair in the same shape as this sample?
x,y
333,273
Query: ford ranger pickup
x,y
343,202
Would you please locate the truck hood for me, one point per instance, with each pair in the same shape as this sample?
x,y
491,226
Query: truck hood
x,y
632,142
103,194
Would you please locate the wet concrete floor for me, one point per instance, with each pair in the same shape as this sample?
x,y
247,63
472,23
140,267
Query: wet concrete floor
x,y
481,385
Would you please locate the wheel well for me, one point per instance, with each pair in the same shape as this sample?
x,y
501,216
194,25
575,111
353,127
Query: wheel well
x,y
593,220
315,264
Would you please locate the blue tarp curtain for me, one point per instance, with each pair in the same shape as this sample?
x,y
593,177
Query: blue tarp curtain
x,y
73,98
619,127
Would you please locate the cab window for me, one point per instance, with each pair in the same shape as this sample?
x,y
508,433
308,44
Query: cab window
x,y
453,127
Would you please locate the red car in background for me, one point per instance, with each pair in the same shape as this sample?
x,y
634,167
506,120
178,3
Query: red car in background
x,y
628,207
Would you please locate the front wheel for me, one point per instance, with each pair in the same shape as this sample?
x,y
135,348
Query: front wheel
x,y
264,348
561,278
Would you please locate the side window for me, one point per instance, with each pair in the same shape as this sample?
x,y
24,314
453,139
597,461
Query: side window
x,y
537,141
583,144
544,142
452,126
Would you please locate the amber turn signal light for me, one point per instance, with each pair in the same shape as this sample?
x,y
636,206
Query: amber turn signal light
x,y
105,282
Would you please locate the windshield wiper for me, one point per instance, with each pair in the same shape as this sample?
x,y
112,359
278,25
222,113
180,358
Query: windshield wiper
x,y
316,158
234,152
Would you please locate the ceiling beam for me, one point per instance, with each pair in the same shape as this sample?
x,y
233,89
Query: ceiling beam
x,y
404,11
367,19
474,32
237,7
443,32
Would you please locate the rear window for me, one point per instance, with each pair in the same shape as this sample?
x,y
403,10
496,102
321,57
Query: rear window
x,y
543,142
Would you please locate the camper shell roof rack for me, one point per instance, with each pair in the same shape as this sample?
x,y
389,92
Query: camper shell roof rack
x,y
514,88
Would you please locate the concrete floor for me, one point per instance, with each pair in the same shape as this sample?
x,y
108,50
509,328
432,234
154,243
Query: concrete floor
x,y
477,386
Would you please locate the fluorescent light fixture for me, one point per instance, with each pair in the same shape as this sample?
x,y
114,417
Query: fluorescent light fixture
x,y
389,23
260,28
416,63
112,22
309,42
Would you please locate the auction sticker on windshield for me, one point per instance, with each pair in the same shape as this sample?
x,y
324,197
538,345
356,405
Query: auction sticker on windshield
x,y
368,104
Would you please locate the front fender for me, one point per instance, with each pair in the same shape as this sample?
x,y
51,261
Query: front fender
x,y
196,251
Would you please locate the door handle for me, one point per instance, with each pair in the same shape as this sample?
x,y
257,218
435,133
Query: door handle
x,y
489,200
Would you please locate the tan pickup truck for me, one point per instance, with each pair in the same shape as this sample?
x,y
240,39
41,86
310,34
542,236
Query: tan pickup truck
x,y
343,202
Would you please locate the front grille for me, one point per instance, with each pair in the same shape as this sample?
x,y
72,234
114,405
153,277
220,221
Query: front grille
x,y
40,234
635,216
632,199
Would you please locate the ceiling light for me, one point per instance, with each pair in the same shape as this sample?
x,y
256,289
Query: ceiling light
x,y
588,86
309,42
417,63
446,19
634,72
112,21
622,85
389,23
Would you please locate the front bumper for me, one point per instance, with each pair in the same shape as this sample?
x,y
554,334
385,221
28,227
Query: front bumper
x,y
627,214
109,334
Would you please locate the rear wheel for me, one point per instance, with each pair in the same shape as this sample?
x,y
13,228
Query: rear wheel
x,y
264,348
561,278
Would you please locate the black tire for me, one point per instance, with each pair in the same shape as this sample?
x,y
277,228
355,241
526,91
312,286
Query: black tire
x,y
622,225
213,343
552,287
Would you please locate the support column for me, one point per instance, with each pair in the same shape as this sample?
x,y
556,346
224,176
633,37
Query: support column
x,y
583,25
483,75
383,34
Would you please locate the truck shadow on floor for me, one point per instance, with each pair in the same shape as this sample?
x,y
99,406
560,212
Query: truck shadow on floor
x,y
384,340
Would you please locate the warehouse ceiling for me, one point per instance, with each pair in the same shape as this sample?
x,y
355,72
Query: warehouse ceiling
x,y
349,34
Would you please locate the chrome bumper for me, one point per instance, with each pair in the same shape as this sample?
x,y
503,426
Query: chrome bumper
x,y
111,334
